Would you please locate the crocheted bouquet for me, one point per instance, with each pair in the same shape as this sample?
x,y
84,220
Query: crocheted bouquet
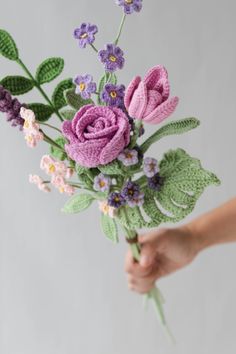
x,y
100,153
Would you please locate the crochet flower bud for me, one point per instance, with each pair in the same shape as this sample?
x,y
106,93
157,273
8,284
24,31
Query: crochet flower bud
x,y
148,99
11,106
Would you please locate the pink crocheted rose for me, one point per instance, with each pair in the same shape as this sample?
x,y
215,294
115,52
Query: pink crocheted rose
x,y
96,135
147,99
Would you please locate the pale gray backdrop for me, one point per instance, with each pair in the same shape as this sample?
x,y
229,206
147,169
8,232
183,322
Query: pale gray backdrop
x,y
62,285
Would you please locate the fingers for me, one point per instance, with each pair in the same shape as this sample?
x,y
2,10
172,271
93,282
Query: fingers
x,y
134,268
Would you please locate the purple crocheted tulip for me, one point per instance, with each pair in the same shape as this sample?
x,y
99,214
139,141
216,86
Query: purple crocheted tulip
x,y
147,99
112,57
130,6
113,95
96,135
85,34
11,106
85,86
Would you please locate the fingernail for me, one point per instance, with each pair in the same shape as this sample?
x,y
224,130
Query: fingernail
x,y
144,261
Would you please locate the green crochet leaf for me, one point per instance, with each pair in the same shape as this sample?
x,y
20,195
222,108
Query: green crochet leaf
x,y
42,112
76,101
80,169
58,98
17,85
106,78
78,203
8,46
68,114
178,127
109,228
113,168
49,70
58,154
131,218
184,182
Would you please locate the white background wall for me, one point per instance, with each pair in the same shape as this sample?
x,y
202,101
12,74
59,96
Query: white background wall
x,y
62,285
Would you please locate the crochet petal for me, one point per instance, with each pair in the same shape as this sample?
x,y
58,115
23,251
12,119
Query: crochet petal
x,y
138,102
154,99
67,132
162,112
130,91
154,75
79,114
87,154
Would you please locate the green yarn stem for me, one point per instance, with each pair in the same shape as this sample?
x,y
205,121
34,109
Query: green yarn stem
x,y
37,85
120,29
93,47
48,140
154,294
49,125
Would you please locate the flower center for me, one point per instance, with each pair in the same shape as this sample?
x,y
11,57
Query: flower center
x,y
117,199
84,35
112,58
128,155
82,86
26,124
129,1
102,184
52,168
113,94
61,189
152,166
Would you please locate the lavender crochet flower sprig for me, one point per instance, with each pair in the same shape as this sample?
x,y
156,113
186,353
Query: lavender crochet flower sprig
x,y
101,152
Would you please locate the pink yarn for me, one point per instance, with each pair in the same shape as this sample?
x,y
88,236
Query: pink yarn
x,y
96,135
147,99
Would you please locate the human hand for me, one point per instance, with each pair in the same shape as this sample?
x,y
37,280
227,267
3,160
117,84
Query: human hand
x,y
162,253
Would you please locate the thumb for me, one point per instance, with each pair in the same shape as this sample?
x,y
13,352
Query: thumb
x,y
149,247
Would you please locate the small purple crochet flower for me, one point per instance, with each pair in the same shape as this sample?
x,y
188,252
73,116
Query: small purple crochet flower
x,y
85,34
130,5
85,86
112,57
130,191
101,183
11,106
155,182
150,167
128,157
113,95
137,201
116,200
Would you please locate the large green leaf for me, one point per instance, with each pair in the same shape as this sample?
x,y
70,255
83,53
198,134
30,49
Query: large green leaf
x,y
49,70
17,85
109,228
42,112
76,101
57,153
178,127
78,203
58,98
131,218
8,46
184,182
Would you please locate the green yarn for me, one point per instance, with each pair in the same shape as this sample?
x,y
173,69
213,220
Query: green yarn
x,y
17,85
8,46
49,70
68,114
55,152
109,228
107,77
58,98
42,111
173,128
76,101
78,203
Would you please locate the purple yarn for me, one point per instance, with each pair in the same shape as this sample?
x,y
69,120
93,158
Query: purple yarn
x,y
155,182
85,34
113,95
112,57
11,106
130,6
116,200
130,191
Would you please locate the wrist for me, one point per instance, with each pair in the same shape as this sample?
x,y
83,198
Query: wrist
x,y
196,242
